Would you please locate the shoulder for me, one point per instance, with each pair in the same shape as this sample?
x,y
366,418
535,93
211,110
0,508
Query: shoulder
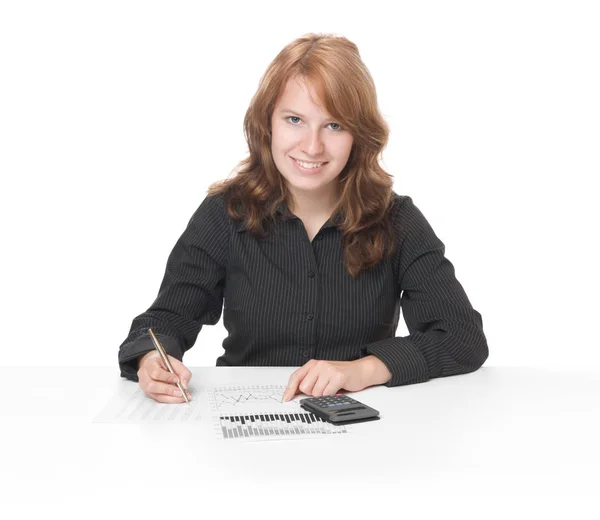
x,y
410,224
403,211
399,200
212,211
211,222
211,204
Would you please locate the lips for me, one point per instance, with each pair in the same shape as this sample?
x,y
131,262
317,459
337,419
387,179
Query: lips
x,y
322,163
308,170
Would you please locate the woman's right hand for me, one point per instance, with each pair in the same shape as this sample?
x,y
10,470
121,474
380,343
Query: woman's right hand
x,y
158,383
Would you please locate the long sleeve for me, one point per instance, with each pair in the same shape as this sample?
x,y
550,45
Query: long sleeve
x,y
445,333
191,292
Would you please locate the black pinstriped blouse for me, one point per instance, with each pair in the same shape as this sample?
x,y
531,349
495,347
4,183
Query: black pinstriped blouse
x,y
286,300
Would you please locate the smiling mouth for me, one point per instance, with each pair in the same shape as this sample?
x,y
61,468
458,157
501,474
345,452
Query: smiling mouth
x,y
310,168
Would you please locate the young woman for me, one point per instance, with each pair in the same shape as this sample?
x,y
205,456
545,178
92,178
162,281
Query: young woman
x,y
308,251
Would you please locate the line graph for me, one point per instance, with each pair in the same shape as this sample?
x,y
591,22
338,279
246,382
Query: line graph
x,y
230,398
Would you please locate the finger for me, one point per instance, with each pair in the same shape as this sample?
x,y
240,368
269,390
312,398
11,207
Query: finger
x,y
332,388
169,399
295,379
158,373
321,384
309,381
156,387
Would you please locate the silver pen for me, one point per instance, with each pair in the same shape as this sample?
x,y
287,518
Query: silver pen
x,y
163,354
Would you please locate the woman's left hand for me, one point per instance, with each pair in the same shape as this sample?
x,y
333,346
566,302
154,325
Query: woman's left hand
x,y
320,377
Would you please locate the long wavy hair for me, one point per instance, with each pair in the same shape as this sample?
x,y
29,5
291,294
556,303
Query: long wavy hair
x,y
347,91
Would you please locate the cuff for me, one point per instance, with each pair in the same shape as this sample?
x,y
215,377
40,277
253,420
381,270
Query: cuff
x,y
131,352
405,362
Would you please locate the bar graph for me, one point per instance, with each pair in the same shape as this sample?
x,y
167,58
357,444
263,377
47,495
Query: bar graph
x,y
256,413
280,425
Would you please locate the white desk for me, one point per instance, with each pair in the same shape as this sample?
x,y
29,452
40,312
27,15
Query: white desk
x,y
498,443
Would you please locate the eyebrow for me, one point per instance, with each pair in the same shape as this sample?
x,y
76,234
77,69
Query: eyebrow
x,y
289,110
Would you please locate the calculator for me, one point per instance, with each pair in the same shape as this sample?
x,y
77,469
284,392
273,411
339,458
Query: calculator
x,y
339,409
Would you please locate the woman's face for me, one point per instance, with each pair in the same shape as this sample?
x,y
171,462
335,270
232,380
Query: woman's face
x,y
303,131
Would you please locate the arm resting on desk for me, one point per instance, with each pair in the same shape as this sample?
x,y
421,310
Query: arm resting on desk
x,y
446,335
191,293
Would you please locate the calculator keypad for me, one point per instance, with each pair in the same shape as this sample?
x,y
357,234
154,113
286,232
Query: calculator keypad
x,y
332,401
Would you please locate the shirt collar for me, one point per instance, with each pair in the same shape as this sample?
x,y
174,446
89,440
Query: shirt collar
x,y
334,220
282,210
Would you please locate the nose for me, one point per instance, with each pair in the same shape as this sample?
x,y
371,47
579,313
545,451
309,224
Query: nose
x,y
312,144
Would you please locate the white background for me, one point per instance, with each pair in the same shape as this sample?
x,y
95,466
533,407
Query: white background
x,y
116,116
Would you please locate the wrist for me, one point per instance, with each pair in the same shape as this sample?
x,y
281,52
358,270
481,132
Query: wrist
x,y
144,356
375,371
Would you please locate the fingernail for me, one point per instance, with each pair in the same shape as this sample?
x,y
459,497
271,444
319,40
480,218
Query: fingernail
x,y
185,383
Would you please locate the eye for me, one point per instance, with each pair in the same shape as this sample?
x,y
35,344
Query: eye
x,y
337,129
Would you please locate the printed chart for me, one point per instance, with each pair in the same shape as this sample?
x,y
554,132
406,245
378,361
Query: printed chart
x,y
255,412
235,398
282,424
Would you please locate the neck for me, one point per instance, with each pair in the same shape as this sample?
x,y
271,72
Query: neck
x,y
316,204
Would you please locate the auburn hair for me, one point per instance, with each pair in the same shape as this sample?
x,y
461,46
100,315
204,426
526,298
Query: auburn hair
x,y
346,89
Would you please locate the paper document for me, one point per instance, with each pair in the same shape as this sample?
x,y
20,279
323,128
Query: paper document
x,y
236,412
255,412
135,406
